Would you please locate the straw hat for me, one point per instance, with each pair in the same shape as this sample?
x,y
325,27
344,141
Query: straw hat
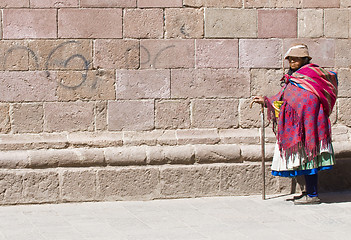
x,y
297,50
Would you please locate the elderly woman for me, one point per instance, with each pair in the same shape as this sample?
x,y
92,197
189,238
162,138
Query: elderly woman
x,y
300,114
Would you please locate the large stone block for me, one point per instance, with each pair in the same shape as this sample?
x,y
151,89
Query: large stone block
x,y
10,187
345,3
272,4
239,136
343,53
215,113
265,82
27,86
170,155
277,23
249,117
14,55
107,3
5,124
225,153
159,3
197,136
131,115
95,139
143,23
322,51
141,84
310,23
101,116
172,114
199,83
69,116
260,53
184,23
253,153
344,111
116,54
29,23
78,185
125,156
76,23
190,181
53,3
60,54
230,23
27,118
336,23
128,183
14,3
344,77
213,3
86,85
217,53
167,53
136,138
320,4
41,187
338,179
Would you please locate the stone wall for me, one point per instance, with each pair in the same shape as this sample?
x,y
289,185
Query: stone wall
x,y
145,99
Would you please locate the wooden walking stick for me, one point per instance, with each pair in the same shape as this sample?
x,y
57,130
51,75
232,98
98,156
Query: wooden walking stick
x,y
263,167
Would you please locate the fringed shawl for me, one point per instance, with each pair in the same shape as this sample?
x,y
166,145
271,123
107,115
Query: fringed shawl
x,y
303,124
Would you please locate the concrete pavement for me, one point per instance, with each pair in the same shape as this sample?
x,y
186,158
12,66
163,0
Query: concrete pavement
x,y
217,218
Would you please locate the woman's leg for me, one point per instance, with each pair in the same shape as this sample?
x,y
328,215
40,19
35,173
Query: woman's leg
x,y
312,185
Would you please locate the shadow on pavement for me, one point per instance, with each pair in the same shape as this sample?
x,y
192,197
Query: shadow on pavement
x,y
335,197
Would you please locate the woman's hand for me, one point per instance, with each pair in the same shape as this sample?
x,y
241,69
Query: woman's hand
x,y
257,99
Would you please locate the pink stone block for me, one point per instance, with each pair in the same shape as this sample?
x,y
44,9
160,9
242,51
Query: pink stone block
x,y
160,3
277,23
27,86
108,3
167,53
68,116
320,4
90,23
139,84
217,53
29,23
14,3
53,3
260,53
131,115
322,51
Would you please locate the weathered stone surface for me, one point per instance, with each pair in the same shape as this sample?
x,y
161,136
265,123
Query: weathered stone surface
x,y
170,53
53,3
170,155
78,185
270,24
66,158
128,183
172,114
190,181
10,187
197,136
143,23
230,23
40,187
342,149
249,117
336,23
342,53
200,83
69,116
340,133
260,53
29,23
159,3
213,3
310,23
116,54
14,159
322,51
27,86
168,137
131,115
101,116
27,118
125,156
337,180
217,53
60,54
253,153
239,136
86,85
184,23
215,113
217,153
77,23
265,82
141,84
345,3
14,3
272,4
107,3
14,55
141,138
320,4
5,125
95,139
344,77
344,111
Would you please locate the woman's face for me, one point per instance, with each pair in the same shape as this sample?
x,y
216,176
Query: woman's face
x,y
296,62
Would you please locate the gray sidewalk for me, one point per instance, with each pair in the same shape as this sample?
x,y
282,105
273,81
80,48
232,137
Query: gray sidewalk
x,y
194,219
